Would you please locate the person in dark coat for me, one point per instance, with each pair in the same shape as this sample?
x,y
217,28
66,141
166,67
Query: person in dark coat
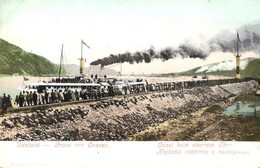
x,y
28,99
21,100
52,96
8,101
17,100
35,98
4,104
46,97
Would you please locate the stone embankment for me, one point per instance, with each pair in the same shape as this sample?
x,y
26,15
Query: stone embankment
x,y
117,118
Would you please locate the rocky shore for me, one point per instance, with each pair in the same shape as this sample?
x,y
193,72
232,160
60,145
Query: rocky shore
x,y
127,117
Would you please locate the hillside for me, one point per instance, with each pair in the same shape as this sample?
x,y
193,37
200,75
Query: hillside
x,y
253,69
15,61
250,67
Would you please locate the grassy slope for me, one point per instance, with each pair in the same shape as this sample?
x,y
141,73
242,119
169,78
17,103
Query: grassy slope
x,y
14,60
253,69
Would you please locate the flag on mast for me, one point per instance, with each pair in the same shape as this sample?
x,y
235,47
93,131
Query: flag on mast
x,y
84,43
25,79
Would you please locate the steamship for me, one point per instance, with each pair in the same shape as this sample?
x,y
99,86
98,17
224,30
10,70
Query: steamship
x,y
120,86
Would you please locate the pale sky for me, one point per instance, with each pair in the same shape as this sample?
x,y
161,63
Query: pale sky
x,y
117,26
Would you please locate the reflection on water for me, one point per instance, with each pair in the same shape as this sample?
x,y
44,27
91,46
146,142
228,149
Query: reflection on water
x,y
244,108
9,85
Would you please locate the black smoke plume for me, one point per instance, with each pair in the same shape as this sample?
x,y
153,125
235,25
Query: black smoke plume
x,y
225,42
147,56
191,52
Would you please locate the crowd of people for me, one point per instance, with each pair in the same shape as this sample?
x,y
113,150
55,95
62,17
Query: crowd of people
x,y
57,95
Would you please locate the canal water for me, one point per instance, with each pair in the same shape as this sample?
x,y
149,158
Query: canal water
x,y
10,85
249,109
244,108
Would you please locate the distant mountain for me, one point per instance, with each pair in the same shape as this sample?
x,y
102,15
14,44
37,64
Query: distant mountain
x,y
73,70
250,67
224,66
16,61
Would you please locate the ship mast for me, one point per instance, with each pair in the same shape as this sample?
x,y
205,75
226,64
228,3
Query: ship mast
x,y
61,58
238,59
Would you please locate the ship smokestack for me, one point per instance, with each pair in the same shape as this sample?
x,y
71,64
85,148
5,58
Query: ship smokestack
x,y
81,69
82,60
102,69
